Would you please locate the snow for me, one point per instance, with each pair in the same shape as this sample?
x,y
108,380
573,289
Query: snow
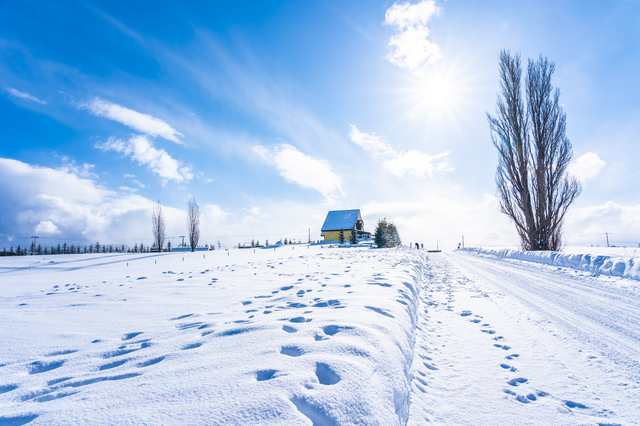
x,y
600,264
314,335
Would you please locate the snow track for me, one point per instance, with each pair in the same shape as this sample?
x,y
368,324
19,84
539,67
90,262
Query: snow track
x,y
511,342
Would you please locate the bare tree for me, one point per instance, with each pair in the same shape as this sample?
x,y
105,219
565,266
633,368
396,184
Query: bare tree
x,y
158,224
528,131
193,223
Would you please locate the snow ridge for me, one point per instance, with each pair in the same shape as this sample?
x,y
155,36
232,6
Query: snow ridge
x,y
597,264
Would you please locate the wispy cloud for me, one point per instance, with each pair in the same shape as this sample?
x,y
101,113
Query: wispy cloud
x,y
412,48
139,148
143,123
413,163
587,167
302,169
24,95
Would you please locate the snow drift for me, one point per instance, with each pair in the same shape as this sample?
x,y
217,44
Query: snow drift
x,y
597,264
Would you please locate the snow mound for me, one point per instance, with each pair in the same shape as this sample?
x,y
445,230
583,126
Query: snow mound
x,y
597,264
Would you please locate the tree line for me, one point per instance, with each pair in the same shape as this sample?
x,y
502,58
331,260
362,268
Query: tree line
x,y
73,249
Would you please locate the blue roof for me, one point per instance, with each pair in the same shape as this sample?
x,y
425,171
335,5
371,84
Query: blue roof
x,y
340,219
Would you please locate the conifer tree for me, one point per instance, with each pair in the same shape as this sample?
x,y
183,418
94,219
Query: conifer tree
x,y
353,238
341,236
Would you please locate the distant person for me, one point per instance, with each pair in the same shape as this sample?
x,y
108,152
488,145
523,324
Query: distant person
x,y
422,245
417,246
458,246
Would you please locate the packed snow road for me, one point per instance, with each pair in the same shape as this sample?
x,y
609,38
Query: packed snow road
x,y
512,342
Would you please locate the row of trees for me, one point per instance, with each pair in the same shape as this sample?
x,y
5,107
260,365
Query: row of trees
x,y
73,249
158,225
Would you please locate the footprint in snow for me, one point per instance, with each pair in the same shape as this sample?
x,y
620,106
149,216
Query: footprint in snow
x,y
150,362
38,367
572,404
293,351
191,346
465,313
130,336
518,381
289,329
7,388
263,375
326,375
18,420
66,352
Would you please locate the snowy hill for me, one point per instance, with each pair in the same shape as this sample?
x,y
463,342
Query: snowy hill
x,y
314,335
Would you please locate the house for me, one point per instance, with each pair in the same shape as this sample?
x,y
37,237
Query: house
x,y
346,220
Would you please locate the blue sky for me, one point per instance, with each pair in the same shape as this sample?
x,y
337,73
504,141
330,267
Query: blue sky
x,y
272,113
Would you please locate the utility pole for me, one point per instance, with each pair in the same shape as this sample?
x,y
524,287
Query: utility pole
x,y
607,235
35,240
182,236
309,235
463,241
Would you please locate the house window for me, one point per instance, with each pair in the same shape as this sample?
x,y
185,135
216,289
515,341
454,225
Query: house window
x,y
331,237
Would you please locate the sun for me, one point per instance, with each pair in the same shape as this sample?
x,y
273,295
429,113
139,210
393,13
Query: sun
x,y
439,94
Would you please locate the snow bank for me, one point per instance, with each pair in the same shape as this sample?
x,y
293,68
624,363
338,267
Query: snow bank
x,y
597,264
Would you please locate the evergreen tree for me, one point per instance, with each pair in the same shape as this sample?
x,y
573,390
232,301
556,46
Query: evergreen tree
x,y
353,238
32,248
46,251
168,246
64,248
266,242
135,248
380,233
285,241
253,243
341,236
97,247
18,251
386,234
141,248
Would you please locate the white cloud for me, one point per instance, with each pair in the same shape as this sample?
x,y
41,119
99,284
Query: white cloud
x,y
413,163
144,123
412,49
46,227
587,225
302,169
139,148
376,145
127,175
586,167
24,95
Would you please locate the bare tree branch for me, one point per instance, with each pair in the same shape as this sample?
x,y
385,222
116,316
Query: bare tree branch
x,y
193,223
533,153
158,225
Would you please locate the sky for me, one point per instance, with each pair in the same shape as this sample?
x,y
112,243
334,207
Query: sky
x,y
270,114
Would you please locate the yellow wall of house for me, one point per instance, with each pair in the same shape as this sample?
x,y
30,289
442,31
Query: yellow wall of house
x,y
335,235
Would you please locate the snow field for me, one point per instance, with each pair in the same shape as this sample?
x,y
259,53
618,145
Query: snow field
x,y
302,336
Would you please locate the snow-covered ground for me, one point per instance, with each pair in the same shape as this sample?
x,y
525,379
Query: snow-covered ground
x,y
315,335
